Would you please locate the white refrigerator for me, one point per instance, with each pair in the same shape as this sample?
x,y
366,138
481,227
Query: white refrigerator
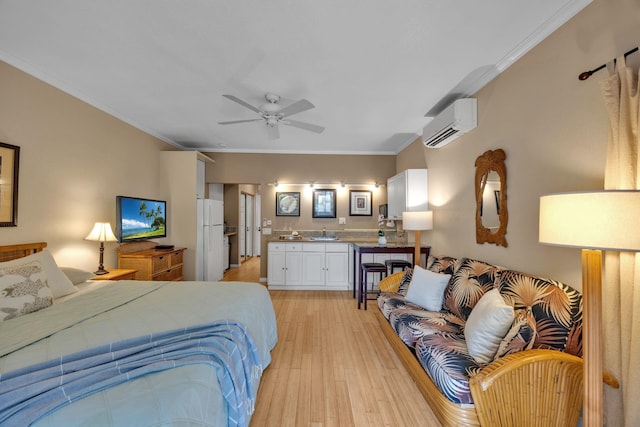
x,y
210,246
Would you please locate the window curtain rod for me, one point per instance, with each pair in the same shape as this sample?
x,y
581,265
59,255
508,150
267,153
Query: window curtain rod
x,y
585,75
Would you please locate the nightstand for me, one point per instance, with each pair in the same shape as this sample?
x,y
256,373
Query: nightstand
x,y
117,274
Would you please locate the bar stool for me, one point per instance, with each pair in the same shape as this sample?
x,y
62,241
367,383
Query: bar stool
x,y
392,264
368,267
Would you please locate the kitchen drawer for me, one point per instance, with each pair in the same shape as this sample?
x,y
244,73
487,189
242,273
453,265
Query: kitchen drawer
x,y
337,247
313,247
277,247
293,247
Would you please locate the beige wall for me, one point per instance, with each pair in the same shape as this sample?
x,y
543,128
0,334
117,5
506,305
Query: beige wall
x,y
74,160
263,169
553,129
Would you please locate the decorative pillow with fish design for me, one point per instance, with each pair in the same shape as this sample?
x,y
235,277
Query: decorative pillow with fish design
x,y
23,290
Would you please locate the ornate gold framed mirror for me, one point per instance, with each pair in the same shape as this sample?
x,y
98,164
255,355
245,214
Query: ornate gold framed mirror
x,y
491,198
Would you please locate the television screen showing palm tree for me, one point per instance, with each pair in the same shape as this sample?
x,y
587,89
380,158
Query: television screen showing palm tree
x,y
140,219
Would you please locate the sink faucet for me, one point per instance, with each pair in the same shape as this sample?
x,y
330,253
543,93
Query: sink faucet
x,y
324,231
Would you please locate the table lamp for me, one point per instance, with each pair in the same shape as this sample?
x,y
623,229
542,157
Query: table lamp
x,y
101,233
417,221
592,221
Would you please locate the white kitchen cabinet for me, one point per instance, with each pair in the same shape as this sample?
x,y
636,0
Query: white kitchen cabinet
x,y
310,266
337,270
407,192
313,267
285,265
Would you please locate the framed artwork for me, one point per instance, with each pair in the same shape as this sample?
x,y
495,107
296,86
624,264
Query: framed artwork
x,y
324,204
9,162
288,203
360,203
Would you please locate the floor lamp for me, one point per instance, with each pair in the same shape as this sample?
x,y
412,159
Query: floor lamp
x,y
417,222
101,232
592,221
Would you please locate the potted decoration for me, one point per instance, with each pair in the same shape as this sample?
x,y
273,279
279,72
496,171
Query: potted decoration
x,y
382,240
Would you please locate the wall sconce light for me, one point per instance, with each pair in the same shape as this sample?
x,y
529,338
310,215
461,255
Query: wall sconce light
x,y
101,233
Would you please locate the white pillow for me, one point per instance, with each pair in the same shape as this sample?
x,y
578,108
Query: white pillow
x,y
23,290
59,284
488,323
76,275
426,288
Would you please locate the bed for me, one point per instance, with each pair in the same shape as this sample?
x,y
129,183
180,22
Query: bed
x,y
127,352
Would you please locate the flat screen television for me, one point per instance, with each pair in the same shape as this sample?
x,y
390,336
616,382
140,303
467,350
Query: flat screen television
x,y
140,219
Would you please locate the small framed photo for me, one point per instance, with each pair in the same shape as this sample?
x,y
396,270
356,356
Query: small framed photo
x,y
324,204
360,203
9,162
288,203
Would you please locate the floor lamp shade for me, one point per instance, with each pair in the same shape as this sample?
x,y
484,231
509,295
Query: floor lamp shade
x,y
417,221
607,220
592,221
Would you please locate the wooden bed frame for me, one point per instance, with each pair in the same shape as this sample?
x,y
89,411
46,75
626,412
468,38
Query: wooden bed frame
x,y
10,252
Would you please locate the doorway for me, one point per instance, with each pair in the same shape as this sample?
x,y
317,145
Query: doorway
x,y
246,228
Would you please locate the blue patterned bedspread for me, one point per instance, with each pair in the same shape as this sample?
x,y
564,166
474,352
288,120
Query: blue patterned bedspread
x,y
34,391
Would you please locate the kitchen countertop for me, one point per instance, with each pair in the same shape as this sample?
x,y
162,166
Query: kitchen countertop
x,y
356,242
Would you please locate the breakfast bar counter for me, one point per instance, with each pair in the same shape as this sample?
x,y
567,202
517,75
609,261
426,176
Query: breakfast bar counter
x,y
360,248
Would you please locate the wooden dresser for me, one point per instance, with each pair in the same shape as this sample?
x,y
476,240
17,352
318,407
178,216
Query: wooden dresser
x,y
151,263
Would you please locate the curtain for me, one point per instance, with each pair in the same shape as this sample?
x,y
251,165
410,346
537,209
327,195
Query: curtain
x,y
621,294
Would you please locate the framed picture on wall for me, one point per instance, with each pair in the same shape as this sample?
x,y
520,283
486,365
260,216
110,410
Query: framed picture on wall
x,y
360,203
324,204
288,203
9,162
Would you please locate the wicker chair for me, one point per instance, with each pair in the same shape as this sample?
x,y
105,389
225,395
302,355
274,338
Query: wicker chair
x,y
542,389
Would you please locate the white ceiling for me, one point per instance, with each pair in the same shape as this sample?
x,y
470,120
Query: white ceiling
x,y
373,68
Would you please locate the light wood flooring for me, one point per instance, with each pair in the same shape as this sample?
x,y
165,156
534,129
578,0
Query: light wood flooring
x,y
332,365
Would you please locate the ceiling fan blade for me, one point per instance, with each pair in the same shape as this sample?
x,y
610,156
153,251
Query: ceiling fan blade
x,y
303,125
296,107
243,103
239,121
273,132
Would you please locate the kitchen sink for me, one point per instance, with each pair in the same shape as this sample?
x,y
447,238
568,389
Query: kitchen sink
x,y
324,238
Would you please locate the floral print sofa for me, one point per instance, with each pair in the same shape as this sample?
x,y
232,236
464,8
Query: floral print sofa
x,y
546,314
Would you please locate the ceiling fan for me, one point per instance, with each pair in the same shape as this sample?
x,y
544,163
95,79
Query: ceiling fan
x,y
273,114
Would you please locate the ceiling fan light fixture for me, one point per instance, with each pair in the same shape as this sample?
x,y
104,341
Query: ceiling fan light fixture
x,y
270,107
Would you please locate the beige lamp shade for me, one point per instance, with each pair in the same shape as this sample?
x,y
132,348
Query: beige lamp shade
x,y
592,221
417,221
101,232
607,220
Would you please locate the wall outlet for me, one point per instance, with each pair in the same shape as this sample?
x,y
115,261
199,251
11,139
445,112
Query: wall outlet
x,y
266,230
342,220
269,223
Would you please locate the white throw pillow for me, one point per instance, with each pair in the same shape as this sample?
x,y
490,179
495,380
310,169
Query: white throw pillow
x,y
76,275
427,288
23,290
59,284
488,323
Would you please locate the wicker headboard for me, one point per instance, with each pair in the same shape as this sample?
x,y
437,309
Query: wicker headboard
x,y
9,252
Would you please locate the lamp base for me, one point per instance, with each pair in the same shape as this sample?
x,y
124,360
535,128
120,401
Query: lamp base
x,y
100,272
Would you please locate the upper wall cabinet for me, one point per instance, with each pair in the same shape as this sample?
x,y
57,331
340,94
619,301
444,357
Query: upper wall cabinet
x,y
407,191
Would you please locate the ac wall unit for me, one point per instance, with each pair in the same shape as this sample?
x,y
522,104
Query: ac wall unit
x,y
457,119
